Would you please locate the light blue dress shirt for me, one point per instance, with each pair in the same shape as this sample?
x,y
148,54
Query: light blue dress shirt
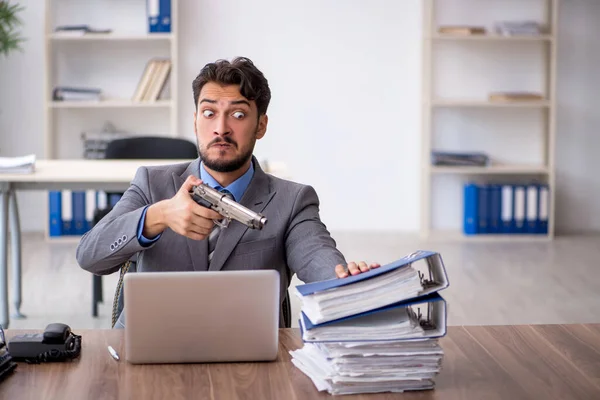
x,y
237,188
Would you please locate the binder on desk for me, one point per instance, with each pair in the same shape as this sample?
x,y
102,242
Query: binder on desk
x,y
389,284
398,321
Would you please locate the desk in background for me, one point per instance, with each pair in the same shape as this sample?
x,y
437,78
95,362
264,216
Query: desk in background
x,y
108,175
480,362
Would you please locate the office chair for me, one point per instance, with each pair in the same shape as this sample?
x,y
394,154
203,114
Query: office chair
x,y
145,147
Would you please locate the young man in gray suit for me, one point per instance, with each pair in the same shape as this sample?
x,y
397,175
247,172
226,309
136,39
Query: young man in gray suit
x,y
157,219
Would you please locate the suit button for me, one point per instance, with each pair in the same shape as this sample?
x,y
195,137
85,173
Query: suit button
x,y
124,238
119,242
112,247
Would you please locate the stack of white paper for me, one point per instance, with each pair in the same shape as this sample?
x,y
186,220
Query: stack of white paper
x,y
365,367
392,324
376,331
17,165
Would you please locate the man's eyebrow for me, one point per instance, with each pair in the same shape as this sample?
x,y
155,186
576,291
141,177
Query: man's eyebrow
x,y
233,102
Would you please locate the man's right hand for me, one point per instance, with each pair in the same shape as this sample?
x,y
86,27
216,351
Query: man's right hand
x,y
182,214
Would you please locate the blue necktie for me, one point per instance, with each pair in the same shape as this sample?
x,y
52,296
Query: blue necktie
x,y
214,234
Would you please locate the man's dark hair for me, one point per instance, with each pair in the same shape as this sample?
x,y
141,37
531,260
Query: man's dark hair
x,y
240,71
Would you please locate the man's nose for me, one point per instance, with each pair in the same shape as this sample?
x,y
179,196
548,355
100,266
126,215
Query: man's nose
x,y
221,126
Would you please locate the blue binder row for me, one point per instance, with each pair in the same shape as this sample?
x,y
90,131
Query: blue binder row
x,y
72,212
505,208
159,15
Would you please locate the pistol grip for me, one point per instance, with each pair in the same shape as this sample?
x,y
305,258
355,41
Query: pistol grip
x,y
201,201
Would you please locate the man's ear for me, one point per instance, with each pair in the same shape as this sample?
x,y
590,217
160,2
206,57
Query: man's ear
x,y
263,120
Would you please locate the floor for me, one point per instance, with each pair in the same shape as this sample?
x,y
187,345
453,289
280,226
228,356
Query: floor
x,y
490,283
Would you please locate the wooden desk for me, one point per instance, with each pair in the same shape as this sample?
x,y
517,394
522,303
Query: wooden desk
x,y
494,362
109,175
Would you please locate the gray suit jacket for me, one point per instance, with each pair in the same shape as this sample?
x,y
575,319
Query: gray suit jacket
x,y
294,240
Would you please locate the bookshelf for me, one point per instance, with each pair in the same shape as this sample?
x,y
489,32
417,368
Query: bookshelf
x,y
460,70
114,62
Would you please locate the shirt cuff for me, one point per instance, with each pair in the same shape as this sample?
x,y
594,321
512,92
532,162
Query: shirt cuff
x,y
144,241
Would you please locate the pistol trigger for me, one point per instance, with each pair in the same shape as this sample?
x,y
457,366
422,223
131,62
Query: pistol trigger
x,y
224,223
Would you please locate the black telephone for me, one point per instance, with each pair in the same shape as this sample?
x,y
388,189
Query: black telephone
x,y
7,365
57,343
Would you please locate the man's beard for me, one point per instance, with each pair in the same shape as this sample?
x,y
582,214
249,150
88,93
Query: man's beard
x,y
219,165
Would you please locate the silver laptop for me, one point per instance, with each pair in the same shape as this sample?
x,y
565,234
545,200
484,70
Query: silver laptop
x,y
195,317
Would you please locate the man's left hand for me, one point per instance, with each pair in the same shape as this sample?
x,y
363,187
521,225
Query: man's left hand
x,y
353,268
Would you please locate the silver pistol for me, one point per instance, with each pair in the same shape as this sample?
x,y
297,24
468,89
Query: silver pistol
x,y
228,208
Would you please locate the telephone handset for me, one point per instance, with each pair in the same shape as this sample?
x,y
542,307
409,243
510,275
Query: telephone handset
x,y
7,365
57,343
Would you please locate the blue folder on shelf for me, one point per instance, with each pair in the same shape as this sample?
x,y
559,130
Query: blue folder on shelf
x,y
507,206
520,201
159,16
79,224
482,209
431,278
494,208
531,215
544,200
379,325
470,210
67,212
55,213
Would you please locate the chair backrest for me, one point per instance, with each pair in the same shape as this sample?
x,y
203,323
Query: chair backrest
x,y
151,147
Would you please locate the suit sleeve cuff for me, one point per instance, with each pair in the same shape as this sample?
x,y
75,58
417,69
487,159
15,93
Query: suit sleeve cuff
x,y
144,241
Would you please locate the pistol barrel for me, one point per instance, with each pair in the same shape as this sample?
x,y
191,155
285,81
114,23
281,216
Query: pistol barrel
x,y
227,207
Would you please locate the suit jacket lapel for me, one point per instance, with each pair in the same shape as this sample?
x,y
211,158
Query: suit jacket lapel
x,y
256,198
198,248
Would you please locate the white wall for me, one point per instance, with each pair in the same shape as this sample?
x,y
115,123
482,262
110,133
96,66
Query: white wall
x,y
345,114
578,141
345,81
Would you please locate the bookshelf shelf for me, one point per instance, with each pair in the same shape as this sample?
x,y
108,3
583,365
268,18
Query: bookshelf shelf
x,y
458,236
494,38
522,82
111,104
492,170
490,104
110,37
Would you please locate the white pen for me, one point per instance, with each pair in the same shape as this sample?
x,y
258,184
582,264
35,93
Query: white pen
x,y
113,353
